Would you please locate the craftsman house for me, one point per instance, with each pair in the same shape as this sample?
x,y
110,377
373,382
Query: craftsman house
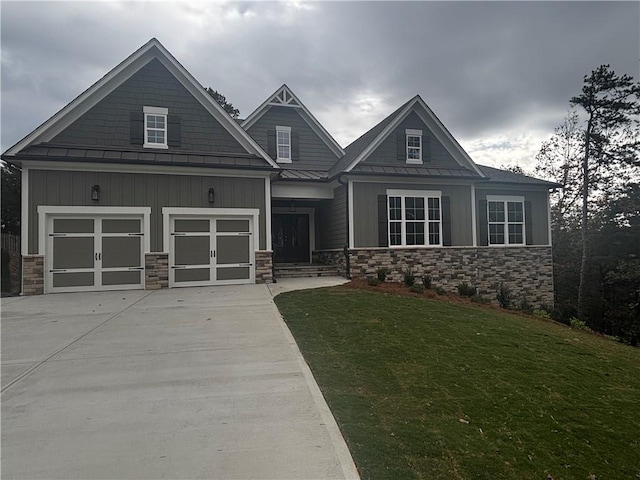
x,y
144,181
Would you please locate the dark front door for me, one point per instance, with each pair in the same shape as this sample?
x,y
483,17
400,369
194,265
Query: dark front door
x,y
290,234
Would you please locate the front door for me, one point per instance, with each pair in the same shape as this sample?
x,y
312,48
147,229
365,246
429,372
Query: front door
x,y
290,237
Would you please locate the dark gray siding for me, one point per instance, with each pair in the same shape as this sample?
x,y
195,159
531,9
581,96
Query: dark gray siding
x,y
387,152
538,199
314,153
108,123
365,203
57,188
331,221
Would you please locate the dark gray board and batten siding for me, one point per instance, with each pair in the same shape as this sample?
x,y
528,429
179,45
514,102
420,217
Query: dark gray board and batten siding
x,y
331,218
365,205
108,124
313,153
64,188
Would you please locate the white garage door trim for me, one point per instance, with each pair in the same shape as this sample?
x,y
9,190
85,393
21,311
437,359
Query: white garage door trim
x,y
170,214
46,217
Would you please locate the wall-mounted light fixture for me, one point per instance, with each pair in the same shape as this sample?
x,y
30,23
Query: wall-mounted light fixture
x,y
95,193
212,195
292,208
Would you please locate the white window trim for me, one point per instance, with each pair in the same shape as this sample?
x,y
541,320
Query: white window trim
x,y
159,111
505,199
413,133
280,159
426,194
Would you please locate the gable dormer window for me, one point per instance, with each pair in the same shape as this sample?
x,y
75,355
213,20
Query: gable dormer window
x,y
155,127
414,146
283,144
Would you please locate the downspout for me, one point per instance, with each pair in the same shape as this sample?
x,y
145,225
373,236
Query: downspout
x,y
347,258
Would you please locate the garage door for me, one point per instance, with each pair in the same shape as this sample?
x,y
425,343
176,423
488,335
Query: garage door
x,y
210,250
94,253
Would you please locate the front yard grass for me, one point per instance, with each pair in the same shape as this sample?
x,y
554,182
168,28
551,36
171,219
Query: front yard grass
x,y
427,389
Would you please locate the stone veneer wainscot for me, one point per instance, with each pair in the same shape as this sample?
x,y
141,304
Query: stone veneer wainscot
x,y
264,266
156,271
527,271
33,274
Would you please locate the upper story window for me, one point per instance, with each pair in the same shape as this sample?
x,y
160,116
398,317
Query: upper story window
x,y
415,217
414,146
283,144
505,215
155,127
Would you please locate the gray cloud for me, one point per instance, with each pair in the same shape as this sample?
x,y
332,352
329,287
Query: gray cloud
x,y
486,69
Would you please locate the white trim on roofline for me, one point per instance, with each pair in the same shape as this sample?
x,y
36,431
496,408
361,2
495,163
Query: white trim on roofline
x,y
435,127
116,77
307,116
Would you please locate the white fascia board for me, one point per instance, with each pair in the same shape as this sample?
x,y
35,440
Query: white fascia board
x,y
409,180
147,169
302,190
381,136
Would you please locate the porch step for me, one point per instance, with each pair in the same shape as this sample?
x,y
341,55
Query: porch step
x,y
301,270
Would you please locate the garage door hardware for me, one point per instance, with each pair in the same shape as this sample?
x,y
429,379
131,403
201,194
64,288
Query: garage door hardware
x,y
56,270
98,256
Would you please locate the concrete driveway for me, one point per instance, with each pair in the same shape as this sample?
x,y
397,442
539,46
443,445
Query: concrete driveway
x,y
181,383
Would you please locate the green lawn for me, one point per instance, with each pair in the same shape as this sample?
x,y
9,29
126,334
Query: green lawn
x,y
428,389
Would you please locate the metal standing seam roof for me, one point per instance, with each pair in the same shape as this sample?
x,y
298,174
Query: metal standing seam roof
x,y
505,176
100,155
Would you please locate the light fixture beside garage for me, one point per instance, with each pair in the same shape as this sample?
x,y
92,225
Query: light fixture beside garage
x,y
212,195
95,193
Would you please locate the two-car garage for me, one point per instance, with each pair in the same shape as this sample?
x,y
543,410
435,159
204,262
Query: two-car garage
x,y
103,248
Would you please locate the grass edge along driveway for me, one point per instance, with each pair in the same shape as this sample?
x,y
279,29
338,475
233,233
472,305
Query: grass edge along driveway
x,y
428,389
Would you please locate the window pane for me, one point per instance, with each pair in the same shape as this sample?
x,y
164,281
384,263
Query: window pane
x,y
414,208
395,211
434,208
283,151
515,234
413,153
413,141
496,234
415,233
496,211
283,138
514,211
434,233
395,233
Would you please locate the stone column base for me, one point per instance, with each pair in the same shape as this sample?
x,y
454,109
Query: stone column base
x,y
264,266
156,271
32,274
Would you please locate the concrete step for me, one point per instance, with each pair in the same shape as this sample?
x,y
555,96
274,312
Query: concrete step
x,y
289,270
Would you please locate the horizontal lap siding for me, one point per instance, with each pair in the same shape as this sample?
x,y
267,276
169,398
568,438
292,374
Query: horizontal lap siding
x,y
107,124
366,214
331,221
314,153
57,188
538,199
387,152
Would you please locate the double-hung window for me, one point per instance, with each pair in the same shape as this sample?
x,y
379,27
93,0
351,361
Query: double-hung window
x,y
414,145
283,144
155,127
505,215
415,218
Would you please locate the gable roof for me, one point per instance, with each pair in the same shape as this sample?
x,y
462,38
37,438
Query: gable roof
x,y
360,149
284,97
116,77
505,176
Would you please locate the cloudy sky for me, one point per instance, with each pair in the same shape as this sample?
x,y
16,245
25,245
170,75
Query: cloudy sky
x,y
498,75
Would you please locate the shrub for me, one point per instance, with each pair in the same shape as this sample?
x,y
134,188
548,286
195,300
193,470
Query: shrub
x,y
440,291
504,296
417,288
409,277
426,281
466,290
541,312
525,306
579,324
373,281
382,273
480,299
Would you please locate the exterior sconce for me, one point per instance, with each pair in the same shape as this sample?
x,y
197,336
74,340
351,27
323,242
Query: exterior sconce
x,y
212,195
95,193
292,208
